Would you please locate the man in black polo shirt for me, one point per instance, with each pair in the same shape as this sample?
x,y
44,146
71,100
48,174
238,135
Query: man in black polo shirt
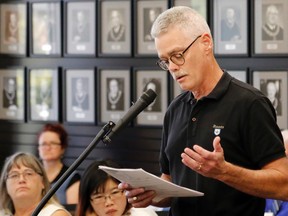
x,y
248,165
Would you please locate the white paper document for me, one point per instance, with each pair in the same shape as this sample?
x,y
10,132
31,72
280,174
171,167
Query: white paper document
x,y
141,178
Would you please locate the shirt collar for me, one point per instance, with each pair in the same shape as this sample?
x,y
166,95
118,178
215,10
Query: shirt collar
x,y
217,92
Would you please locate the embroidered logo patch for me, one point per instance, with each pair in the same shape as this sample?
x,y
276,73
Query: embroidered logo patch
x,y
217,129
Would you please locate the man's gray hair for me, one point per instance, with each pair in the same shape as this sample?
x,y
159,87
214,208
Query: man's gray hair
x,y
182,17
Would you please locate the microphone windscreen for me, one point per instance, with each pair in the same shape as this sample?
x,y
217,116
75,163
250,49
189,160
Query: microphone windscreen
x,y
149,96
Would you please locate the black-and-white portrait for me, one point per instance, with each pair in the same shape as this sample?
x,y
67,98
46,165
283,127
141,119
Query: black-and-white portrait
x,y
115,94
42,33
157,81
273,84
147,12
43,92
272,89
80,32
230,30
46,28
150,15
13,37
155,85
11,27
44,96
117,28
10,93
80,95
271,19
80,25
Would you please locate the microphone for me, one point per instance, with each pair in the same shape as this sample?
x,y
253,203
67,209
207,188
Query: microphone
x,y
144,100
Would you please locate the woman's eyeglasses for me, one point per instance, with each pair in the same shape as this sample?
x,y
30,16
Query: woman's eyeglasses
x,y
27,175
101,198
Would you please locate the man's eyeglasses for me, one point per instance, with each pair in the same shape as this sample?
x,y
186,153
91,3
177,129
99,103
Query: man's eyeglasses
x,y
177,58
50,145
101,198
27,175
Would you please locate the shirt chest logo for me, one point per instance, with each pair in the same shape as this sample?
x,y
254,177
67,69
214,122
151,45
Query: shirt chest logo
x,y
217,129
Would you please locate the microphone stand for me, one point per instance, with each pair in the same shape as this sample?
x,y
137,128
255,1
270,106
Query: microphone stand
x,y
101,134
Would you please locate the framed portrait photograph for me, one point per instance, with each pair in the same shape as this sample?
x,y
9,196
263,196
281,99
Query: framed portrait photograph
x,y
147,11
239,74
43,95
230,21
115,27
270,27
274,85
80,27
13,28
12,94
46,28
157,80
115,95
80,95
199,6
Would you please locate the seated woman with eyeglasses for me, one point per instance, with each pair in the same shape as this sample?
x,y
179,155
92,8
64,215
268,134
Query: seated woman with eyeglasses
x,y
99,194
53,141
23,184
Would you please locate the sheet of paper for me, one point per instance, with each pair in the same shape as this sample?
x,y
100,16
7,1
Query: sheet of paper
x,y
141,178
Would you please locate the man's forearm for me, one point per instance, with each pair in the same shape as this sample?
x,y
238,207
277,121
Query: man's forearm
x,y
263,183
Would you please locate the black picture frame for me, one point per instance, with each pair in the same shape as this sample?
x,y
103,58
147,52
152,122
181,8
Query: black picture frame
x,y
274,85
115,94
45,28
80,21
12,97
230,21
268,41
43,98
13,24
147,11
157,80
80,95
115,28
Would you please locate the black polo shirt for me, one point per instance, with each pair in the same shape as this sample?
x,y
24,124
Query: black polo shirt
x,y
246,122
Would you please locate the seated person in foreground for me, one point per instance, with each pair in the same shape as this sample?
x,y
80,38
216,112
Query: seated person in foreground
x,y
99,194
23,184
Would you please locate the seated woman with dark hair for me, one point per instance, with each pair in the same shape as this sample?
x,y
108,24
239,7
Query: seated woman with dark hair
x,y
99,194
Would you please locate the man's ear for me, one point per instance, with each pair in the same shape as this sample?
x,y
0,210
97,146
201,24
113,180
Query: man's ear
x,y
207,41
